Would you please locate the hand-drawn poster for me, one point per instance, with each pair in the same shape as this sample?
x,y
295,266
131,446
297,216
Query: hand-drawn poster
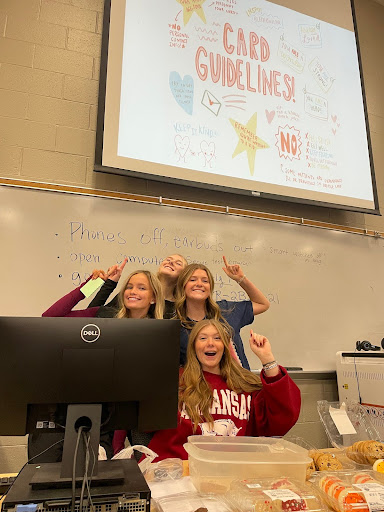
x,y
245,89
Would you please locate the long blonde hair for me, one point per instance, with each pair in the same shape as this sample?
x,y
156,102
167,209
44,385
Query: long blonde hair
x,y
155,310
195,394
212,310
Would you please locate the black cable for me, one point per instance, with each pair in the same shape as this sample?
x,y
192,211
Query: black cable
x,y
74,469
89,480
86,439
29,460
357,376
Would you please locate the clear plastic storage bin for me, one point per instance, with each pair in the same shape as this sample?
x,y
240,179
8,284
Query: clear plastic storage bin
x,y
273,495
215,461
354,491
364,446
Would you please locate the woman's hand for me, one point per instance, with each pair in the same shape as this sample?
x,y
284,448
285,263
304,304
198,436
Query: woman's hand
x,y
261,347
260,303
114,272
99,273
233,271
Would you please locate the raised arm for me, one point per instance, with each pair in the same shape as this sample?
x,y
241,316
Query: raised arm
x,y
64,306
260,303
111,278
276,407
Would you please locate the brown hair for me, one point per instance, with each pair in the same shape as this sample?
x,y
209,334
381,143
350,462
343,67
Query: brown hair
x,y
212,310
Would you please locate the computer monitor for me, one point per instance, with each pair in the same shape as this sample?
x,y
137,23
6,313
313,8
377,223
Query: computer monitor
x,y
131,367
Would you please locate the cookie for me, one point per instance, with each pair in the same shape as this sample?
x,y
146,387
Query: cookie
x,y
310,470
362,478
374,450
327,462
326,481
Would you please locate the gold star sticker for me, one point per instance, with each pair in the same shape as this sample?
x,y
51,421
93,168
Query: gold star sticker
x,y
191,6
248,140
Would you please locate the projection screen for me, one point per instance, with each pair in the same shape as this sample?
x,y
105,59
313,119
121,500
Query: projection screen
x,y
247,96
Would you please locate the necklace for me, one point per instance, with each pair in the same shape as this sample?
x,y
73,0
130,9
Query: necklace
x,y
192,320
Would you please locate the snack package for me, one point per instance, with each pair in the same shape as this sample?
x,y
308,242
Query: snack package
x,y
355,491
321,460
365,452
272,495
167,469
191,502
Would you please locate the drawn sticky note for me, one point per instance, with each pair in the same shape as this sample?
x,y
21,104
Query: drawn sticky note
x,y
341,420
291,55
321,74
316,106
310,35
182,90
91,286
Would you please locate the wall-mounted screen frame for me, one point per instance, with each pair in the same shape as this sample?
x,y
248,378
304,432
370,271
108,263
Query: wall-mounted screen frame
x,y
259,98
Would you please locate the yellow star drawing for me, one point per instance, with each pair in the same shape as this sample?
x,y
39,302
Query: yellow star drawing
x,y
191,6
248,140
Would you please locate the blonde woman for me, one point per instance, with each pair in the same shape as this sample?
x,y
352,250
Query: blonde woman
x,y
168,272
219,397
140,297
194,302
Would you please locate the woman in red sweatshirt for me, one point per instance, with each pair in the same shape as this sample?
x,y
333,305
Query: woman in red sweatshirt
x,y
219,397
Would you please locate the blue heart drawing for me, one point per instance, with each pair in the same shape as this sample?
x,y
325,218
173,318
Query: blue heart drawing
x,y
182,90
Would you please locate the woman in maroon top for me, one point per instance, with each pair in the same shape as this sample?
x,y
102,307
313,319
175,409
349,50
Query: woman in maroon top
x,y
219,397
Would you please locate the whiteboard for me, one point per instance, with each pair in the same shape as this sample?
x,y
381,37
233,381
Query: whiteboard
x,y
325,287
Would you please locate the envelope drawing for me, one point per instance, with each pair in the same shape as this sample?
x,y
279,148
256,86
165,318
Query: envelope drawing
x,y
212,103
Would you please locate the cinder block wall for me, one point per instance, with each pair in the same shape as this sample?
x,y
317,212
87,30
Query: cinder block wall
x,y
49,69
50,60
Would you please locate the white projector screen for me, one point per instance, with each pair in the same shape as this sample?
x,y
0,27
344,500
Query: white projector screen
x,y
248,96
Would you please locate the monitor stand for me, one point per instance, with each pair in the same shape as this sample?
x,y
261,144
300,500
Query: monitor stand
x,y
54,475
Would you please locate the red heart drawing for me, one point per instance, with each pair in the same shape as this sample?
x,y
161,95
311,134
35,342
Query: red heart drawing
x,y
270,115
333,131
334,118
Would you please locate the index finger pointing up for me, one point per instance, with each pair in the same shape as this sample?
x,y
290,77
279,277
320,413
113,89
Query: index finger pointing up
x,y
225,261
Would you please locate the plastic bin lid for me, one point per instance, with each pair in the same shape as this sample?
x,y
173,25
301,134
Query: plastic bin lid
x,y
363,427
245,450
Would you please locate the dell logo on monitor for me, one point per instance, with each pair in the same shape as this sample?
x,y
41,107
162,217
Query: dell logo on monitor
x,y
90,333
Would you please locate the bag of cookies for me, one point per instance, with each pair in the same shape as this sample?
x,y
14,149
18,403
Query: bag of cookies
x,y
366,452
350,429
272,495
321,460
